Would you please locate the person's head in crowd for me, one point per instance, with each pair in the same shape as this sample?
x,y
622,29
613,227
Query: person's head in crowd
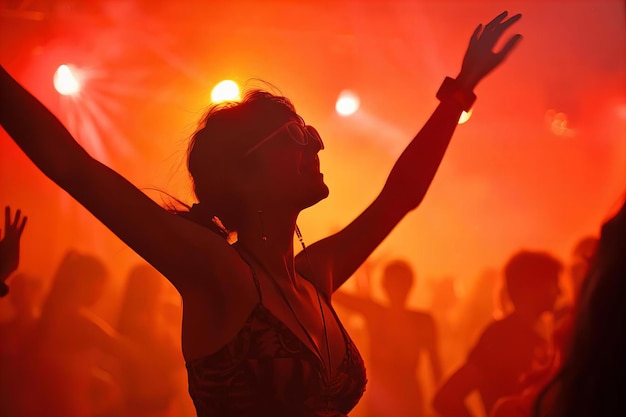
x,y
532,281
78,282
397,281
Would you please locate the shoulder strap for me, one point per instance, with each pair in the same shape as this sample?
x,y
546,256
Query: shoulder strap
x,y
257,284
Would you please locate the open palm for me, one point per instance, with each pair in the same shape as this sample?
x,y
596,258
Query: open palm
x,y
10,242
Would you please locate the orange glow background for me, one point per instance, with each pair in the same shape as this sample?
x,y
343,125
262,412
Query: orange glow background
x,y
508,181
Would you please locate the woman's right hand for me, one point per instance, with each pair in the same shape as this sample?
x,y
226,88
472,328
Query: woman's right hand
x,y
480,59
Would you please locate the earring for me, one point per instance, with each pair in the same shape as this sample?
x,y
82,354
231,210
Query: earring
x,y
306,254
299,234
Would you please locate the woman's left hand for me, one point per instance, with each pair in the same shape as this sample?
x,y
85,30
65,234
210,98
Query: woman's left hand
x,y
480,59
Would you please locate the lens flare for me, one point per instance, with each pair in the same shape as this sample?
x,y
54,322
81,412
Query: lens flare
x,y
65,80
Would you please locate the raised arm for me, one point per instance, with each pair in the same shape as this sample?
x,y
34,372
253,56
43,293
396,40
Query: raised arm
x,y
165,240
341,254
10,246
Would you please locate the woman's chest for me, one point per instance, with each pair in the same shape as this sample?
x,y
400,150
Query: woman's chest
x,y
309,318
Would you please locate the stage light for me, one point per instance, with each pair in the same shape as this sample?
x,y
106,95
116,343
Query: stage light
x,y
66,81
347,104
226,90
465,116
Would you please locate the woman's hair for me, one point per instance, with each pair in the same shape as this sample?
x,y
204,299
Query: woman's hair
x,y
224,134
590,381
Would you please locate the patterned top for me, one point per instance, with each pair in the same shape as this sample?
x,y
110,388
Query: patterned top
x,y
266,370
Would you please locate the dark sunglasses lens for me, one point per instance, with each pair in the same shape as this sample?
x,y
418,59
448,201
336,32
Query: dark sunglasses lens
x,y
296,132
314,135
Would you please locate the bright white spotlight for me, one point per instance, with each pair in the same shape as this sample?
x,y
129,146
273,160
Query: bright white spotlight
x,y
65,80
347,104
465,116
226,90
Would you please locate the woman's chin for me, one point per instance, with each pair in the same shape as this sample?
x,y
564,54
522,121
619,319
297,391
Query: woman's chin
x,y
318,195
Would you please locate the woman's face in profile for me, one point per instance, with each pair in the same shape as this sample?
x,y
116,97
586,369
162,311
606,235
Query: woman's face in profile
x,y
288,170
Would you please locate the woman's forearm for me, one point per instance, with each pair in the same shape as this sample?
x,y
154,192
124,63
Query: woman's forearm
x,y
415,169
38,132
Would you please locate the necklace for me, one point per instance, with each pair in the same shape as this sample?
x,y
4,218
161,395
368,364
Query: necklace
x,y
327,365
319,301
303,327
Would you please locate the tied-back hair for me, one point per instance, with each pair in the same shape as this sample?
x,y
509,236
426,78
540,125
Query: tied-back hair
x,y
215,151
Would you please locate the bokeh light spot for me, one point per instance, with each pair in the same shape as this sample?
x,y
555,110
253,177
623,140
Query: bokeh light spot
x,y
465,116
347,104
65,80
226,90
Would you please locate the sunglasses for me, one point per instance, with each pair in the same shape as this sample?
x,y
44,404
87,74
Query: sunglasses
x,y
301,134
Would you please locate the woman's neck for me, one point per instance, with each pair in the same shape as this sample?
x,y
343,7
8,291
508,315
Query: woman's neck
x,y
268,240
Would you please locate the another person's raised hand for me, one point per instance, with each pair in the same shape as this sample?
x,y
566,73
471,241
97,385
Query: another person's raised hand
x,y
480,58
10,245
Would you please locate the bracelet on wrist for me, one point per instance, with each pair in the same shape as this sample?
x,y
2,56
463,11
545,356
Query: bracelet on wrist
x,y
450,90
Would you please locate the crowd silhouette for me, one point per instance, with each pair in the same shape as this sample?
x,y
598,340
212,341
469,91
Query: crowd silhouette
x,y
58,358
150,383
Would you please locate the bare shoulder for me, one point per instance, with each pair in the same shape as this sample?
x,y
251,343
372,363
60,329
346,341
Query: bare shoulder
x,y
203,263
317,270
218,297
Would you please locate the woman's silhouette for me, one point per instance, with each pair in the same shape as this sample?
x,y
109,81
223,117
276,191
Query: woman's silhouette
x,y
259,334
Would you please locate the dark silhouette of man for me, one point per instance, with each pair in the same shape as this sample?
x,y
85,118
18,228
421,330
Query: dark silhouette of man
x,y
398,337
508,348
